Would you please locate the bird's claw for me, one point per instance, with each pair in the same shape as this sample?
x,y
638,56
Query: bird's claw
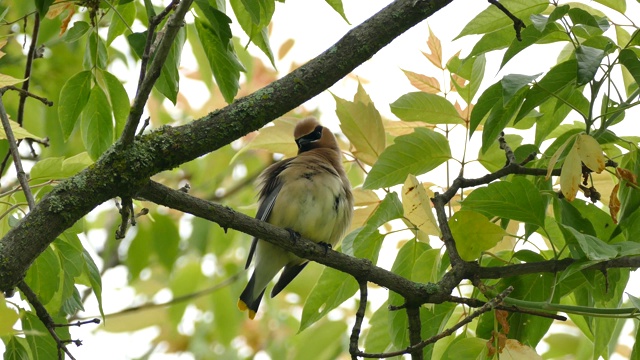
x,y
295,236
326,246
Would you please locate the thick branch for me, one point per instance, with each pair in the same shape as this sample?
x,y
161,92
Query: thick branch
x,y
121,173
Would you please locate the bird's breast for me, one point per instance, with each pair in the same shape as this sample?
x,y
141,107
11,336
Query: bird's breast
x,y
312,202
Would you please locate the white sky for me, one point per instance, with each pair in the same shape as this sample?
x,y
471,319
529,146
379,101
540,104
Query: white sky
x,y
315,27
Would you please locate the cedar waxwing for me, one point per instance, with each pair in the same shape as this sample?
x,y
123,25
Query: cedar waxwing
x,y
309,194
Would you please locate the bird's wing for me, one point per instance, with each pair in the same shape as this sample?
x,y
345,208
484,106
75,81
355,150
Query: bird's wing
x,y
271,186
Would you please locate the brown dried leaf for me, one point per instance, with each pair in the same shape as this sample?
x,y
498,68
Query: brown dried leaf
x,y
627,175
58,7
614,204
284,48
436,50
65,22
423,83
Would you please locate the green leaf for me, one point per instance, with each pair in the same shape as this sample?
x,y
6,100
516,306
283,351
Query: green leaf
x,y
362,125
500,116
517,199
366,241
531,35
495,40
119,101
324,342
337,6
332,289
580,16
77,31
168,82
416,153
95,54
474,233
15,350
468,348
512,83
92,272
123,16
256,30
430,108
377,340
43,277
589,60
486,102
223,62
592,247
540,22
97,125
8,318
166,240
43,6
138,254
73,98
492,18
185,279
40,342
403,266
494,158
555,80
629,59
617,5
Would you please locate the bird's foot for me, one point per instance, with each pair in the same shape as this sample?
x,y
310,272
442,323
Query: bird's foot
x,y
295,236
326,246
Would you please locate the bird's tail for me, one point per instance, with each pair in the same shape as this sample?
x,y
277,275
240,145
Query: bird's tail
x,y
248,301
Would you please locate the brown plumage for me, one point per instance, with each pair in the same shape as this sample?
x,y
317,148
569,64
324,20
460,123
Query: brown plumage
x,y
309,194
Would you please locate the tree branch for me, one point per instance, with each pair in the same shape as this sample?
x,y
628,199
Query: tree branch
x,y
357,326
121,173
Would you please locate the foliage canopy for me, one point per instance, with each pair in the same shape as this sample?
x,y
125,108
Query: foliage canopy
x,y
540,224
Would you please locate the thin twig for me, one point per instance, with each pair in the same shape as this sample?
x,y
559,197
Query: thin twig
x,y
148,78
26,93
22,176
151,305
485,308
518,24
357,327
44,316
511,158
27,69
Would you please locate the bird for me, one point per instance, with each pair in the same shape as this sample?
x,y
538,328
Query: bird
x,y
309,195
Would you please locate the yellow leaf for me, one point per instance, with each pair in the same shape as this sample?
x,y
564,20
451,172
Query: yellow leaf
x,y
18,132
277,139
9,317
6,80
436,50
474,233
590,152
571,174
361,123
556,155
417,206
398,127
363,197
423,83
284,48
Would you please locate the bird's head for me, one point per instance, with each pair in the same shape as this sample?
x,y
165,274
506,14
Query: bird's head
x,y
309,135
